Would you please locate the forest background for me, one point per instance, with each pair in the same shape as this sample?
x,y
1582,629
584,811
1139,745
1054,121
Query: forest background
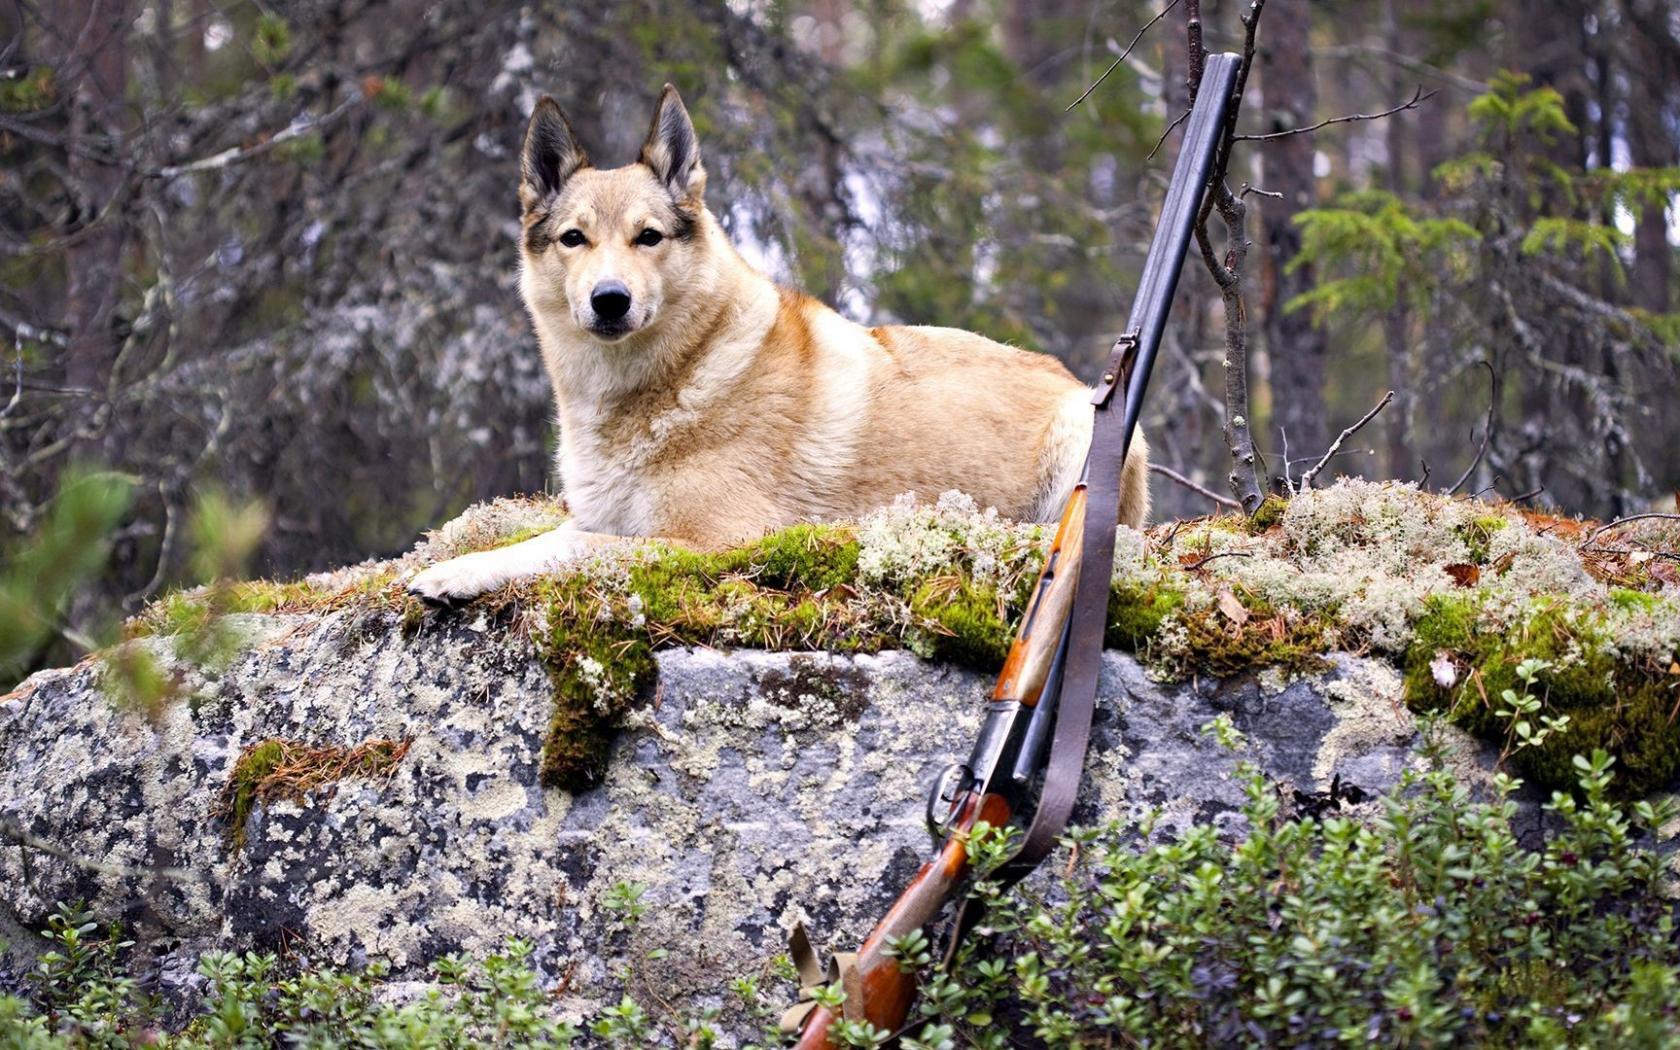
x,y
267,249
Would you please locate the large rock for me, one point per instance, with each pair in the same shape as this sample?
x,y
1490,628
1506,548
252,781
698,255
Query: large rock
x,y
754,789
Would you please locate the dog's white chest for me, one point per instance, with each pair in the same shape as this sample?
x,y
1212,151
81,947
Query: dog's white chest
x,y
604,488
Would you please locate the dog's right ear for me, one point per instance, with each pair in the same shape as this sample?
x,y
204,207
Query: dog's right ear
x,y
552,154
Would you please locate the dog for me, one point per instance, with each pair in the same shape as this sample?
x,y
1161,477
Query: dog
x,y
701,404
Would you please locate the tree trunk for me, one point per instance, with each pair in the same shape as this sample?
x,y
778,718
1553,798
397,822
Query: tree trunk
x,y
1296,346
93,57
1651,145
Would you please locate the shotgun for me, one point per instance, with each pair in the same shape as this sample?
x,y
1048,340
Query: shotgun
x,y
1038,723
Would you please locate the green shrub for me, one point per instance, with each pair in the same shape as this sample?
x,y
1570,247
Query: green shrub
x,y
1430,926
80,998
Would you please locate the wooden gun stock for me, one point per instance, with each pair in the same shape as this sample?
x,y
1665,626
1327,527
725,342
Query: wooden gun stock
x,y
1027,666
883,989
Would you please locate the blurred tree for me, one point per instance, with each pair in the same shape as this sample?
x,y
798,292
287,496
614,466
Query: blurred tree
x,y
1653,62
1510,272
86,44
271,246
1295,343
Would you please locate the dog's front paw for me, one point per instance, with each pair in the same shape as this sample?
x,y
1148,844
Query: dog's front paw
x,y
458,580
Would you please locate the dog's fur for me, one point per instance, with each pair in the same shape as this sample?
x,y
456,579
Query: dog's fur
x,y
720,407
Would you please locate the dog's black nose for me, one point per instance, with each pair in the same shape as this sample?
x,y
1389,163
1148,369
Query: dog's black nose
x,y
611,300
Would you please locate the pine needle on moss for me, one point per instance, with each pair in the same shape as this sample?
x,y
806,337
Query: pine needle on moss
x,y
276,768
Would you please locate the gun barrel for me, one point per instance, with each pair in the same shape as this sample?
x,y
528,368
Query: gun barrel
x,y
1161,267
1052,667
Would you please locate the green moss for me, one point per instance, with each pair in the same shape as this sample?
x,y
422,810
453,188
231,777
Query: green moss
x,y
598,667
1135,613
191,611
1213,643
811,557
1215,646
1478,533
967,622
1634,601
529,532
253,767
181,612
1612,704
794,589
1268,513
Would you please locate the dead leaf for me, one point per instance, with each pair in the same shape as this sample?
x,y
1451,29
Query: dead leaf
x,y
1464,574
1232,607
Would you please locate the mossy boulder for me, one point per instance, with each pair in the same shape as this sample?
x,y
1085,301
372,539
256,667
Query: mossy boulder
x,y
750,732
1358,566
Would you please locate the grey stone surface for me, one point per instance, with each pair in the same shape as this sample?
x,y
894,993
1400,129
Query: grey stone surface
x,y
754,789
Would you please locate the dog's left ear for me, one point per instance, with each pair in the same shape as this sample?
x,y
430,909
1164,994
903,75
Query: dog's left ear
x,y
673,151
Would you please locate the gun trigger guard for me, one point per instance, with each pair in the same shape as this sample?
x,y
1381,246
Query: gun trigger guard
x,y
942,798
1118,369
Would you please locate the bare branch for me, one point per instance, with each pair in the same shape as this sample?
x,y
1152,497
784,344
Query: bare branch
x,y
1619,522
1172,475
17,392
1116,63
1307,478
1407,62
1418,98
1228,274
303,125
1199,562
1162,141
1487,430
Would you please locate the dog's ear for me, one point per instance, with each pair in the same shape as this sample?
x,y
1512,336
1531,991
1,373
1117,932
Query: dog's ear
x,y
551,156
673,151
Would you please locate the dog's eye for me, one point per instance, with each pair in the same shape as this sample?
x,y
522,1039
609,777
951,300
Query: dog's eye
x,y
572,238
649,237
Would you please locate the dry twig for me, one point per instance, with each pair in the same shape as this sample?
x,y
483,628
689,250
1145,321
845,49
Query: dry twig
x,y
239,154
1312,472
1619,522
1173,475
1116,63
1487,430
1418,98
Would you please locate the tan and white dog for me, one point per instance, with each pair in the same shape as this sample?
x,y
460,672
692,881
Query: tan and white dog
x,y
701,404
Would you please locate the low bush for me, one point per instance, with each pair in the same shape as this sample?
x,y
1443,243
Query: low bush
x,y
1428,925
